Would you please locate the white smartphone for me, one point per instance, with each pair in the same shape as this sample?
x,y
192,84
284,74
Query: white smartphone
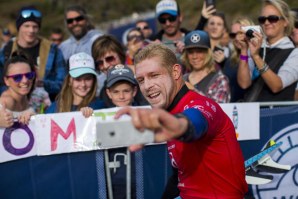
x,y
120,133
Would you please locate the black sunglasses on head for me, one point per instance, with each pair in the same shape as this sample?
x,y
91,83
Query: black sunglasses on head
x,y
77,19
270,18
232,35
163,20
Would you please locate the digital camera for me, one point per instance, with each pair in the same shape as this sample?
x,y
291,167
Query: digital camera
x,y
250,29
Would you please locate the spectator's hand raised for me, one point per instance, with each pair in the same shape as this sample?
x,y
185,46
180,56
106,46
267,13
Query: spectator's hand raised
x,y
207,12
240,41
179,46
218,56
255,44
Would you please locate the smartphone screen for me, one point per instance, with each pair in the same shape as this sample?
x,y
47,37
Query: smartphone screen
x,y
209,3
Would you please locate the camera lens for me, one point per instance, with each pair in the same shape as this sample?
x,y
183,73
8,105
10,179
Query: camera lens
x,y
249,33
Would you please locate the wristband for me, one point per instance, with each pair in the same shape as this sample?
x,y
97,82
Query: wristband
x,y
189,134
263,69
244,58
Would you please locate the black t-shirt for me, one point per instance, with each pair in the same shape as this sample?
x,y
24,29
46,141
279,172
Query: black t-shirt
x,y
32,53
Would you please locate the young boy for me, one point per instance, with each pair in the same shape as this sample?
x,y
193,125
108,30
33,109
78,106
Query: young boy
x,y
121,86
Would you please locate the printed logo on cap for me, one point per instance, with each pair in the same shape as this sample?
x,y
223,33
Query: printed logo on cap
x,y
166,5
119,70
195,38
81,60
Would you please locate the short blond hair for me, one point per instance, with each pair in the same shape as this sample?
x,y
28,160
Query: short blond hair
x,y
166,55
208,62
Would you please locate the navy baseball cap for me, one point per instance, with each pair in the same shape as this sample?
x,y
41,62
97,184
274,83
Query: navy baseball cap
x,y
120,73
197,39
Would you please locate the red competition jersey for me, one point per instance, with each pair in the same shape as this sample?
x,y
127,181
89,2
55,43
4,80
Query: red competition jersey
x,y
212,166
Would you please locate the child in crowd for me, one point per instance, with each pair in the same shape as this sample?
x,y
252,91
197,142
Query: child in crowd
x,y
79,87
121,86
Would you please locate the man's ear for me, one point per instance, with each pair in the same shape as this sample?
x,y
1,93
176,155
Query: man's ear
x,y
177,71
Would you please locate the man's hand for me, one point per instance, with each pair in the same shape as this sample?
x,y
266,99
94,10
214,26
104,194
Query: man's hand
x,y
165,126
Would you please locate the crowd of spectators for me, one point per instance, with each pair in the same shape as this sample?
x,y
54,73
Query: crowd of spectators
x,y
226,64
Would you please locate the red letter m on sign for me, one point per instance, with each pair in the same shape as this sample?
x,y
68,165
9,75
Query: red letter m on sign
x,y
55,130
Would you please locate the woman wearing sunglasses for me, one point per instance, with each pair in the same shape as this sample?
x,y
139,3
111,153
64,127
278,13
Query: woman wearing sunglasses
x,y
19,77
237,93
107,52
274,55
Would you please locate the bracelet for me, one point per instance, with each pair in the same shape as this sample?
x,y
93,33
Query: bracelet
x,y
244,57
263,69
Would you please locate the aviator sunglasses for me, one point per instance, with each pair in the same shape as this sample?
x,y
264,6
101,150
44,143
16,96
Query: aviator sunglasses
x,y
77,19
163,20
28,13
270,18
18,77
107,59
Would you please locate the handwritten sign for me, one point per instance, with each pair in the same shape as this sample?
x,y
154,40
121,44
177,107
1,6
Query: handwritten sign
x,y
50,134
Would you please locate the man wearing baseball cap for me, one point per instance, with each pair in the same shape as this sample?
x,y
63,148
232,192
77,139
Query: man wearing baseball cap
x,y
48,59
170,19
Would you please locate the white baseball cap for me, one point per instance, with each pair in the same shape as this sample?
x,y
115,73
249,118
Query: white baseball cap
x,y
167,7
80,64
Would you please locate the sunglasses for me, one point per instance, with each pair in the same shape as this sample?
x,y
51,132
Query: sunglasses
x,y
77,19
270,18
163,20
143,28
108,59
296,24
232,35
18,77
29,13
136,37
